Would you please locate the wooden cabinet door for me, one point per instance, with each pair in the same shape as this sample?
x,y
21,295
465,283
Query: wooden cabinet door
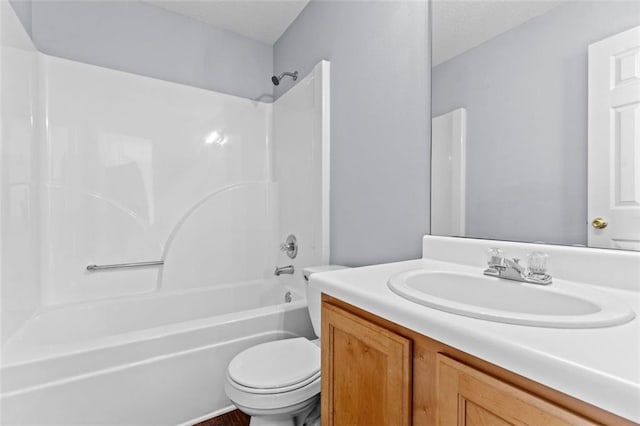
x,y
468,397
366,372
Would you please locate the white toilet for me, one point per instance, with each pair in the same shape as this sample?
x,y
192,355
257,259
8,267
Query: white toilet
x,y
278,383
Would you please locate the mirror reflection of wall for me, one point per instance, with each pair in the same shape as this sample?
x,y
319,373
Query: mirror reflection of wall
x,y
520,71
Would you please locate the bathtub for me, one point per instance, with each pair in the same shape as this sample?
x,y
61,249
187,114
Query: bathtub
x,y
156,359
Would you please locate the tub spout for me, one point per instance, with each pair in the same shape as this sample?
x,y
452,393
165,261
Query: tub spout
x,y
284,270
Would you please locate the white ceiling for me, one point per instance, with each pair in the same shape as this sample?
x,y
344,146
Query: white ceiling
x,y
460,25
262,20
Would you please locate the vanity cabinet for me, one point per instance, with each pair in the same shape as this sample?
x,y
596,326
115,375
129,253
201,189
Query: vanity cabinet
x,y
368,370
375,372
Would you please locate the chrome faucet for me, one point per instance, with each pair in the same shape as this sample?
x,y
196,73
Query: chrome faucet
x,y
284,270
510,269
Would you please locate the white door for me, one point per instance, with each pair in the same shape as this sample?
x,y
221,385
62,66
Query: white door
x,y
448,142
614,142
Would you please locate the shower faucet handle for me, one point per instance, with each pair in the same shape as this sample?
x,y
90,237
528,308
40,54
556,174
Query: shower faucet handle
x,y
287,246
290,246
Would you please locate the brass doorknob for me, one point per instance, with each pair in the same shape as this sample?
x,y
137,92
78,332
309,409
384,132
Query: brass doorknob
x,y
599,222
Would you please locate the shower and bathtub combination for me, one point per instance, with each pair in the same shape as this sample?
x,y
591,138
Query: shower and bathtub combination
x,y
101,167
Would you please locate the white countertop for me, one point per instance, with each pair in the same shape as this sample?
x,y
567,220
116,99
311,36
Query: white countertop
x,y
600,366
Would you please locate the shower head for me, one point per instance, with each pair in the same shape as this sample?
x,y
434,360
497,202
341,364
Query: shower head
x,y
276,80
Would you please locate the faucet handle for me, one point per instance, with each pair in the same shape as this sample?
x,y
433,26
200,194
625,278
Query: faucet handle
x,y
537,262
495,257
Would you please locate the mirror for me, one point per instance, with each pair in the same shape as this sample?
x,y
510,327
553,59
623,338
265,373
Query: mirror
x,y
535,121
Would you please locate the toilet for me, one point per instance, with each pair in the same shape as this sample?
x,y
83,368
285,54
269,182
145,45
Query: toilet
x,y
278,383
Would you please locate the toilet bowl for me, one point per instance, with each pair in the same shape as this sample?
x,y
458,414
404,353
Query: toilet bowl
x,y
278,383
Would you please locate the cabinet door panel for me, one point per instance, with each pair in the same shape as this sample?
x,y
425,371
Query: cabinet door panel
x,y
468,397
366,372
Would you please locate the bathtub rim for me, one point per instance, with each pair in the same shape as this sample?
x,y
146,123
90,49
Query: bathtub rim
x,y
25,355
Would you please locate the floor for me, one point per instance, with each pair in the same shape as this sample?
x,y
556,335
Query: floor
x,y
233,418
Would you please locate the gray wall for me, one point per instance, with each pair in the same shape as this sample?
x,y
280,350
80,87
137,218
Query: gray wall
x,y
380,71
526,96
139,38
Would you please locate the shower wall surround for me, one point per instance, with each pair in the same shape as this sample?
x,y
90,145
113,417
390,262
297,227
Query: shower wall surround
x,y
302,168
19,177
134,166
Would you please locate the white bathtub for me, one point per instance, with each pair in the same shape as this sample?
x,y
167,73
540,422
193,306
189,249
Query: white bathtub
x,y
149,359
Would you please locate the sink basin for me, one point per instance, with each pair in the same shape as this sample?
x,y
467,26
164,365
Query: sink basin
x,y
560,304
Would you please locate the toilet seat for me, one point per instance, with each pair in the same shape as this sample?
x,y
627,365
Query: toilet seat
x,y
275,367
269,391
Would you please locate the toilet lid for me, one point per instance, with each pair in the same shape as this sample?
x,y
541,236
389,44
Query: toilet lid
x,y
276,364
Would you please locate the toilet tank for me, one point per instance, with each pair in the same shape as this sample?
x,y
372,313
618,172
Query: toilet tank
x,y
314,299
